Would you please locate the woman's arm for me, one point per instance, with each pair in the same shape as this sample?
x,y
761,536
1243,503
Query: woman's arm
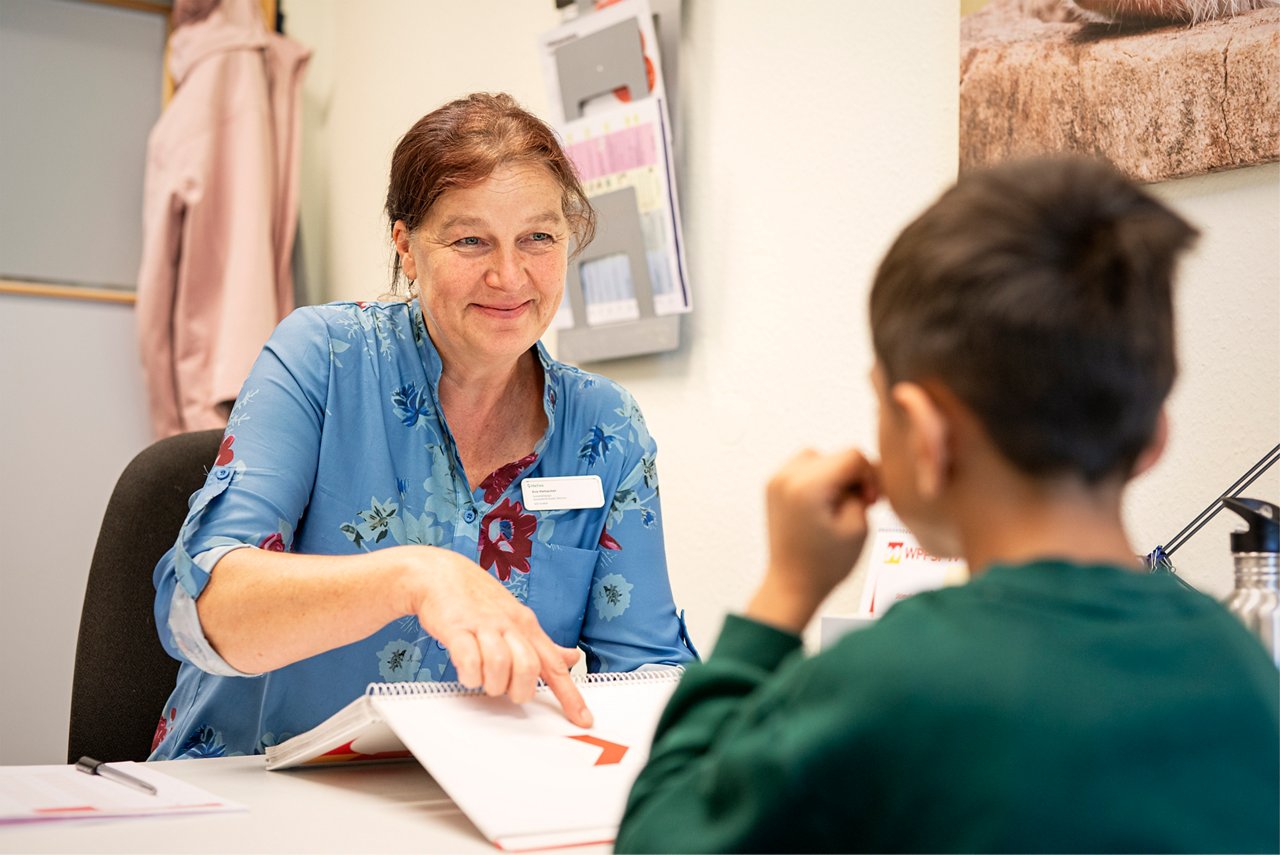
x,y
263,610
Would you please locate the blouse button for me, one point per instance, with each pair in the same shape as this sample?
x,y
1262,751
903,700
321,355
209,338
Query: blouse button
x,y
222,474
469,515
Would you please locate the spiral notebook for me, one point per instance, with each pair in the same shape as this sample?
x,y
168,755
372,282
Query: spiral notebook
x,y
522,773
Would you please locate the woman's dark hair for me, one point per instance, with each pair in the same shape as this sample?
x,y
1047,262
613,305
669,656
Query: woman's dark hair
x,y
1040,293
461,144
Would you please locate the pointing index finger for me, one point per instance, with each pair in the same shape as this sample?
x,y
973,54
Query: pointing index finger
x,y
560,682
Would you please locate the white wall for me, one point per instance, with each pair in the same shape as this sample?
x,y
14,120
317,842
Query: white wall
x,y
73,413
1225,409
812,133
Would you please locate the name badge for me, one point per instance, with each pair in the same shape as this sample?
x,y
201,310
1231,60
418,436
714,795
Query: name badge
x,y
557,494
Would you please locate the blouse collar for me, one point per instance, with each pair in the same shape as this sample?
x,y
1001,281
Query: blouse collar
x,y
435,367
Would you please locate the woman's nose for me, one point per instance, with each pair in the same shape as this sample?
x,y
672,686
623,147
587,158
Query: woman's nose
x,y
506,272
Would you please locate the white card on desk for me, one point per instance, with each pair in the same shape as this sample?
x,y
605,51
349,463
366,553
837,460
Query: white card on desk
x,y
47,793
568,492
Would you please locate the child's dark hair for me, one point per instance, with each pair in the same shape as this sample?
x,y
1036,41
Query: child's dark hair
x,y
1040,292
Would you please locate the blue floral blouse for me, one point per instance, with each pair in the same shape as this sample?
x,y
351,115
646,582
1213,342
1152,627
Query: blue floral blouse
x,y
337,445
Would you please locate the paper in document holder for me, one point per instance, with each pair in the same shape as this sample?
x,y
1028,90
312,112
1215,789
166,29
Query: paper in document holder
x,y
618,231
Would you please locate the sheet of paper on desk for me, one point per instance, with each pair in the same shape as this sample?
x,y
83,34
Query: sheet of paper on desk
x,y
48,793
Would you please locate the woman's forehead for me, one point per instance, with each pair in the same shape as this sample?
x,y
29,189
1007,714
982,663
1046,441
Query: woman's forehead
x,y
528,192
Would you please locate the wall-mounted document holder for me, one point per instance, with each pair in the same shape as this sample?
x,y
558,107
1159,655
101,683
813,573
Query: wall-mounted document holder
x,y
618,231
599,63
609,103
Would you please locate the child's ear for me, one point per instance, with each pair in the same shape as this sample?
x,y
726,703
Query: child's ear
x,y
928,438
1155,447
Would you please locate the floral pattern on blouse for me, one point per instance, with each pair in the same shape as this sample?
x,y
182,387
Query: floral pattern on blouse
x,y
338,445
506,539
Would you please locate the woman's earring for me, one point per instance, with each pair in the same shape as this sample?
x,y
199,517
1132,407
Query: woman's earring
x,y
413,289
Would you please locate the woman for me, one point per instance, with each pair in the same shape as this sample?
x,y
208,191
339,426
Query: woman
x,y
377,451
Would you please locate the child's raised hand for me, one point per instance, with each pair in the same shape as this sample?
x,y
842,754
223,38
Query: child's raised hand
x,y
817,514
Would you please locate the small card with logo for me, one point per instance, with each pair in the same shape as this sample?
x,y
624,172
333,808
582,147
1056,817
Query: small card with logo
x,y
897,567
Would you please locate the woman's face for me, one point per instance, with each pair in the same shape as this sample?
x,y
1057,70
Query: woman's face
x,y
489,261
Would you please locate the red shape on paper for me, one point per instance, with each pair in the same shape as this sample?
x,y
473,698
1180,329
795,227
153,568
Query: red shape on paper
x,y
345,753
610,752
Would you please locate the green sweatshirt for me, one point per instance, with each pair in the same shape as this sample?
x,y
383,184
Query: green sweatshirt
x,y
1048,707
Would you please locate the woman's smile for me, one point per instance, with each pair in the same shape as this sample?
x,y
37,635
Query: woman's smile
x,y
503,311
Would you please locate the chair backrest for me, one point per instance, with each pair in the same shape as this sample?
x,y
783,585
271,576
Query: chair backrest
x,y
122,674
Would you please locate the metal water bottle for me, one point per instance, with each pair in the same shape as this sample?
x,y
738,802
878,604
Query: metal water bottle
x,y
1256,599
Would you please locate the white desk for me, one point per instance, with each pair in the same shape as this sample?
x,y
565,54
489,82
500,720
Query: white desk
x,y
388,807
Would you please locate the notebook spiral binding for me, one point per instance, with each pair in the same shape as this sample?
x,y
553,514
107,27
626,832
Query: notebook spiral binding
x,y
427,687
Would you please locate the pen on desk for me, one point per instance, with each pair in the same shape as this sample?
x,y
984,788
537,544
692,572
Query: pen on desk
x,y
96,767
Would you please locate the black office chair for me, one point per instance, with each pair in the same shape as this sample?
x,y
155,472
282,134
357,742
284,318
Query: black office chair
x,y
122,674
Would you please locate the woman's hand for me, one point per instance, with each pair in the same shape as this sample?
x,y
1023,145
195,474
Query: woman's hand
x,y
495,641
817,514
264,610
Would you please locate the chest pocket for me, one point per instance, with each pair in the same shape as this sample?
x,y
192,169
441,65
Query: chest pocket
x,y
559,588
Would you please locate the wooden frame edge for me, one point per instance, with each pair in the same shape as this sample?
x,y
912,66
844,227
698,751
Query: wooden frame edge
x,y
67,292
137,5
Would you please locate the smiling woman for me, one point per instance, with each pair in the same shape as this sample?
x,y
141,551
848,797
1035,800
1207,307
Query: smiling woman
x,y
489,265
407,431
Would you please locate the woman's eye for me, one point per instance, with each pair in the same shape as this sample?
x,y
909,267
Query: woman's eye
x,y
541,240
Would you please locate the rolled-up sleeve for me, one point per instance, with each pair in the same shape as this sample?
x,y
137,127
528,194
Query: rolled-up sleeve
x,y
259,486
184,621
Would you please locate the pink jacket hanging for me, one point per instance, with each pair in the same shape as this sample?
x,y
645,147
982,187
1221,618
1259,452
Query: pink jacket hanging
x,y
219,214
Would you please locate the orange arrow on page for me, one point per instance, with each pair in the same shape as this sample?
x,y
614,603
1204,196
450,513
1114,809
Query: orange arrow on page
x,y
610,752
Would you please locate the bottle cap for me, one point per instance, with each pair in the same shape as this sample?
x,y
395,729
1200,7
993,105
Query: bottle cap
x,y
1263,518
